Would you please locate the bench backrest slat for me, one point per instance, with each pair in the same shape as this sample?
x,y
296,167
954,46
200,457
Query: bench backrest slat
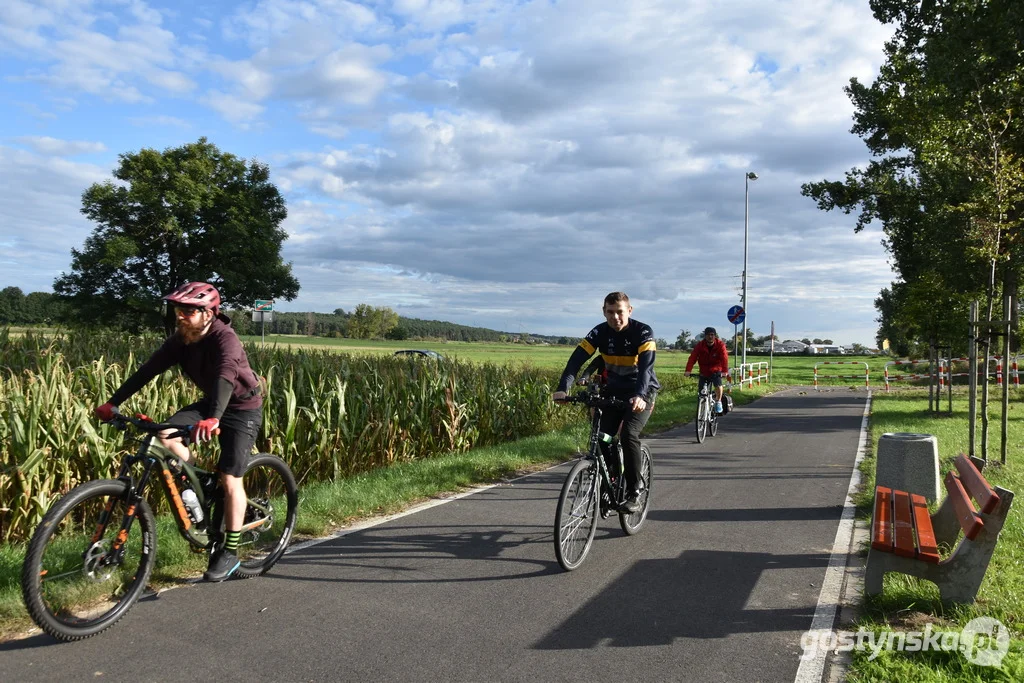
x,y
976,484
966,514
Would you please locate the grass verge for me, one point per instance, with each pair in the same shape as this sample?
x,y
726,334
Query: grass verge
x,y
908,604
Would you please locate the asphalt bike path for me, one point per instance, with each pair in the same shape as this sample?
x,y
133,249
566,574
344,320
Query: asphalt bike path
x,y
719,585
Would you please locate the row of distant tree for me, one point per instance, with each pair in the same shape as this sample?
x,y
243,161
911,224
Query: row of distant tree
x,y
365,322
686,340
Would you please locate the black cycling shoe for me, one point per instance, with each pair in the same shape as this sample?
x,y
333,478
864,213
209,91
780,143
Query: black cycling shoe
x,y
222,565
632,503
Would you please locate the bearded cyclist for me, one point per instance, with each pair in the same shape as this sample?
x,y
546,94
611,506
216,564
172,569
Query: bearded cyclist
x,y
627,349
713,358
210,354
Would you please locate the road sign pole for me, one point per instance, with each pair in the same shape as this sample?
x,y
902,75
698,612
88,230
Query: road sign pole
x,y
263,328
735,331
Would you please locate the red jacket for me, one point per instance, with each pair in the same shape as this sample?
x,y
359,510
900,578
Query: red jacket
x,y
714,359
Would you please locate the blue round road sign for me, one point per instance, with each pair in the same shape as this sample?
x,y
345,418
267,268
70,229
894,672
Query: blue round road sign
x,y
736,315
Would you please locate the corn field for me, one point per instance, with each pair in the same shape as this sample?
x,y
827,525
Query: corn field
x,y
328,415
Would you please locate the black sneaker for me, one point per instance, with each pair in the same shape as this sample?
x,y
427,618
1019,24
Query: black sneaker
x,y
632,504
222,565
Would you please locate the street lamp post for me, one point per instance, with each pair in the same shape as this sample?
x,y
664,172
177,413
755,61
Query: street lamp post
x,y
746,219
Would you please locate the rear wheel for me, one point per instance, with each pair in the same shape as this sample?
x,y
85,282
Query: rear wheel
x,y
272,503
576,515
631,522
702,418
77,582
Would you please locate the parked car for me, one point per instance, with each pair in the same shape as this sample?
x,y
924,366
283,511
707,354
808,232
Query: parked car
x,y
420,352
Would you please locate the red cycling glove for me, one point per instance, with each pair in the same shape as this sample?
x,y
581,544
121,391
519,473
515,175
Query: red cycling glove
x,y
105,412
205,429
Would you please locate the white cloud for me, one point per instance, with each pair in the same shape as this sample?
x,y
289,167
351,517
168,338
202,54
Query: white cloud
x,y
230,107
40,215
61,148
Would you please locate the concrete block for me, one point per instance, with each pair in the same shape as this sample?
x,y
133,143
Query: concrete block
x,y
909,462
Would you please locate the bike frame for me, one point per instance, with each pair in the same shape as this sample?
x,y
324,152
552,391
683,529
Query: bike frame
x,y
154,456
706,396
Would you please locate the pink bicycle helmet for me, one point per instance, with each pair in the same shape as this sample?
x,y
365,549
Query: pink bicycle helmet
x,y
198,294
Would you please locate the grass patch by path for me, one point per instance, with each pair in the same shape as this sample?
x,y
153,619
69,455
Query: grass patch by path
x,y
908,604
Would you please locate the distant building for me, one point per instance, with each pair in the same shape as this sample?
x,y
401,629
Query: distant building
x,y
790,346
825,349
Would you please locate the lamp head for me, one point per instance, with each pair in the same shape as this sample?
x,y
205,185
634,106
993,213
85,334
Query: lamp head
x,y
752,175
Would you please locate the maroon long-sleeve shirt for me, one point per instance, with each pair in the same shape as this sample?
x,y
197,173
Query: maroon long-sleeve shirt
x,y
217,356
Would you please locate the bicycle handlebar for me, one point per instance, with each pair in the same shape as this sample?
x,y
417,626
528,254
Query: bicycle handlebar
x,y
121,422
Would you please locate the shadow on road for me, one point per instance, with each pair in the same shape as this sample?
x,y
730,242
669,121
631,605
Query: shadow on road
x,y
408,553
700,594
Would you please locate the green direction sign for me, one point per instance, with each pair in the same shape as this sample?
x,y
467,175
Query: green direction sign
x,y
264,305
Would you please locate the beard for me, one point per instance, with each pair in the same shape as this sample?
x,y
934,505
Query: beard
x,y
192,330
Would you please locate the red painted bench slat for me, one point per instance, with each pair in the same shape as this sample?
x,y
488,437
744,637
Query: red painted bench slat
x,y
881,529
976,484
927,548
903,525
968,517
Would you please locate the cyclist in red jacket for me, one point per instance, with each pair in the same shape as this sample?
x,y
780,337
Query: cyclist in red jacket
x,y
713,358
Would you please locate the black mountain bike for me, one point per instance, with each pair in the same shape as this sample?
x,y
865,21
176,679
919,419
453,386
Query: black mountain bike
x,y
707,418
90,558
591,489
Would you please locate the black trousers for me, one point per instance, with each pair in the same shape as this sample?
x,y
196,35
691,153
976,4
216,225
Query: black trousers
x,y
632,424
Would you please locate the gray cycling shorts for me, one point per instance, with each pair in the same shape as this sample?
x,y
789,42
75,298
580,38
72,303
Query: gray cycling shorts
x,y
238,431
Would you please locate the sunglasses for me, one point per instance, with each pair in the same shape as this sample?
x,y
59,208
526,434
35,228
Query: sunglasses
x,y
186,311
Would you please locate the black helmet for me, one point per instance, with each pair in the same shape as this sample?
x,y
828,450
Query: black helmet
x,y
710,330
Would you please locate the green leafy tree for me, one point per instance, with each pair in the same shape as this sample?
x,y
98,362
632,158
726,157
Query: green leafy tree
x,y
370,322
943,123
12,302
684,340
397,333
187,213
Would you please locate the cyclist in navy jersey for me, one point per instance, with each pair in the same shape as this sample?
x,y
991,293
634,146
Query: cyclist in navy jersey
x,y
627,349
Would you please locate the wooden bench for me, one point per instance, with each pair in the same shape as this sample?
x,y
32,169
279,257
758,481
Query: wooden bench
x,y
905,538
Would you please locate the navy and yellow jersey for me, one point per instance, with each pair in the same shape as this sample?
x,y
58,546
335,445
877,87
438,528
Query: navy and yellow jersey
x,y
628,359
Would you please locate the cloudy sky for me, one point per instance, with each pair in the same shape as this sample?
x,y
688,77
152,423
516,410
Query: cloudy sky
x,y
496,163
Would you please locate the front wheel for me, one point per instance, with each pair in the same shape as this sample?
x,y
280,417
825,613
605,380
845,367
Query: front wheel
x,y
632,521
576,515
713,422
78,579
272,503
702,419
